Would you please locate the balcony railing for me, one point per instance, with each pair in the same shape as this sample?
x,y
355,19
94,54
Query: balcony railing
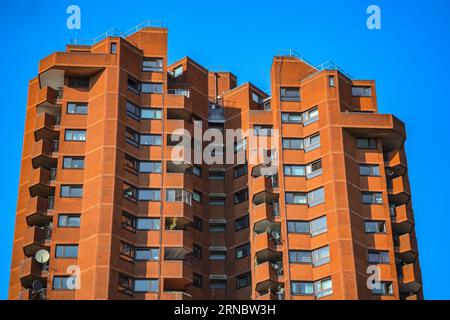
x,y
179,92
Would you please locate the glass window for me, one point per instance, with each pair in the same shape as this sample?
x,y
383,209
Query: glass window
x,y
145,285
129,192
385,288
147,224
298,256
218,284
366,143
377,257
375,226
216,201
63,283
197,196
178,71
197,171
294,170
243,280
321,256
217,175
113,48
311,115
217,227
73,163
131,136
240,145
152,65
133,84
296,198
179,195
147,254
197,280
300,227
290,94
369,170
263,131
150,167
372,198
79,82
242,223
316,197
302,288
75,135
240,170
151,113
128,221
66,251
71,191
69,221
217,255
133,110
318,226
197,223
331,81
197,251
323,288
243,251
150,140
256,97
241,196
148,87
77,108
361,91
292,144
149,195
291,117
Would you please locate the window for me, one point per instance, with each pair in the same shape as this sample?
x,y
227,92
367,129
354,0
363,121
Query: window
x,y
197,223
377,257
313,227
291,117
71,191
133,110
197,171
125,284
217,284
366,143
149,167
323,288
145,285
217,175
217,227
179,195
75,135
129,192
296,198
312,142
79,82
310,116
262,130
240,170
152,65
149,195
64,283
147,224
127,251
73,162
297,256
361,91
241,196
69,221
128,221
77,108
66,251
240,145
242,251
375,226
216,201
149,87
294,171
243,280
177,71
197,196
314,169
292,144
113,48
197,251
316,197
150,140
331,81
372,198
321,256
302,288
256,97
147,254
131,136
242,223
133,84
383,289
151,113
290,94
197,280
369,170
217,255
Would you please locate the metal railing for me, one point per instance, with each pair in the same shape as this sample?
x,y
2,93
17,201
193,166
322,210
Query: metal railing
x,y
117,33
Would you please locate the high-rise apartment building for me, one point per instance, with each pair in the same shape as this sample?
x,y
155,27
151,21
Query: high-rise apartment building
x,y
106,212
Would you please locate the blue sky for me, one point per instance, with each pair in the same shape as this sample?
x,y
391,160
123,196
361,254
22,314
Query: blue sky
x,y
407,58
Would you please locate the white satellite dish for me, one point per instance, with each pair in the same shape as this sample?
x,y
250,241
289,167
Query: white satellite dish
x,y
42,256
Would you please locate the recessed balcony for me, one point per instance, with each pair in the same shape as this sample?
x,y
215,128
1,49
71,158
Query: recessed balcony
x,y
398,191
269,289
44,154
40,183
178,126
179,240
395,163
45,127
36,238
406,248
409,279
177,274
48,100
38,212
179,106
180,210
268,271
175,295
266,212
264,184
30,271
267,241
402,219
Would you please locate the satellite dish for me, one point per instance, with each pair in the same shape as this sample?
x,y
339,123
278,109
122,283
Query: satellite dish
x,y
37,286
42,256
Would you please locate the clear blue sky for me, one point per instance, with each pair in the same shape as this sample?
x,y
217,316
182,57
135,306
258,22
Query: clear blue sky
x,y
407,57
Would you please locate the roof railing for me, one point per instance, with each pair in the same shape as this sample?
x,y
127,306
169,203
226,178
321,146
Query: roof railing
x,y
117,33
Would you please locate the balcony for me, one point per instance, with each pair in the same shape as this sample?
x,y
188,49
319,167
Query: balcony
x,y
45,127
180,210
177,274
395,163
268,296
178,239
269,290
30,271
216,114
44,154
38,212
268,271
29,294
48,99
267,241
175,295
176,125
398,191
178,106
36,238
40,183
266,211
406,248
410,279
402,219
264,184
